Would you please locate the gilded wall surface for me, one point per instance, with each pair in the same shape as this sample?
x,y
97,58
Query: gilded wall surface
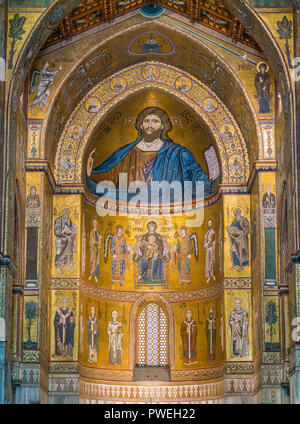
x,y
104,290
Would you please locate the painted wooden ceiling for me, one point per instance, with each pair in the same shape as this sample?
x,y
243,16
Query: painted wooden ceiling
x,y
210,13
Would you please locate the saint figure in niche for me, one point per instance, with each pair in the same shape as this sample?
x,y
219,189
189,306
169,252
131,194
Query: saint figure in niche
x,y
262,84
189,338
211,335
239,323
115,339
64,324
93,334
239,241
65,242
210,247
33,199
95,245
269,199
153,156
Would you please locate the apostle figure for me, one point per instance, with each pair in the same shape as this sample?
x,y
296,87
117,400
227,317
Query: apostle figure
x,y
151,157
262,84
269,199
65,242
189,338
93,334
211,335
33,200
209,106
115,339
239,323
239,241
76,133
120,255
95,244
83,246
93,107
152,256
182,255
64,325
227,134
210,247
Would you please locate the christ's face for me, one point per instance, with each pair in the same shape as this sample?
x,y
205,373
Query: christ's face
x,y
151,127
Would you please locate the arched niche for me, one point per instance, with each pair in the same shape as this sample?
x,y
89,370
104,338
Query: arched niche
x,y
143,301
110,92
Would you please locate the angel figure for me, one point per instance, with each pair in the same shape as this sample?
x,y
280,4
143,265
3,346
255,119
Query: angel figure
x,y
120,253
182,254
43,87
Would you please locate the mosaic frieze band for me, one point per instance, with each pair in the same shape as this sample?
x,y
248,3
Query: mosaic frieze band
x,y
140,393
128,296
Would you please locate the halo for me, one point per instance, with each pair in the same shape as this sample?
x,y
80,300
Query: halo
x,y
185,311
158,225
262,63
211,305
94,305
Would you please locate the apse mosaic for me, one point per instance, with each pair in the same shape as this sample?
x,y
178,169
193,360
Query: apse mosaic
x,y
235,163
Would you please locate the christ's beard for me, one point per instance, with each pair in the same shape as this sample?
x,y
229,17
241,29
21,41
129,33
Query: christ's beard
x,y
150,136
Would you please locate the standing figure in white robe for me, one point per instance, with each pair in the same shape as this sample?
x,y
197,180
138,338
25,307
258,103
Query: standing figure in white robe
x,y
239,323
210,247
115,339
93,334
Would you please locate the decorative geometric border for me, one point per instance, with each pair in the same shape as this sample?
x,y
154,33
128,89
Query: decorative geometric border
x,y
237,283
232,151
102,374
120,375
61,283
271,357
239,367
132,296
63,367
200,374
159,392
31,355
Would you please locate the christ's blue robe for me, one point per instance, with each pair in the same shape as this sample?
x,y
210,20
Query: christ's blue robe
x,y
173,163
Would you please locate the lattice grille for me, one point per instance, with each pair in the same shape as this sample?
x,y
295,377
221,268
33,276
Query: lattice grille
x,y
152,336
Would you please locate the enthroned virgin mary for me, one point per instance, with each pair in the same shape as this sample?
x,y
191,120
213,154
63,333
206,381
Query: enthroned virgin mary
x,y
153,156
